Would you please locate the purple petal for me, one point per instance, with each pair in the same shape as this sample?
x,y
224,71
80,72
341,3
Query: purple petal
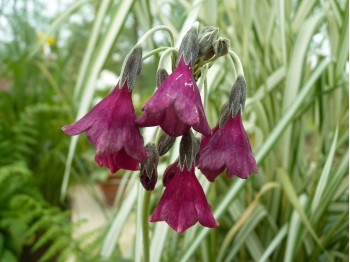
x,y
111,128
172,124
183,203
150,119
119,160
228,148
88,120
163,97
176,105
241,162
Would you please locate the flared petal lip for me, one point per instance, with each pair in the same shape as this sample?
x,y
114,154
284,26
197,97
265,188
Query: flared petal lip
x,y
228,148
184,203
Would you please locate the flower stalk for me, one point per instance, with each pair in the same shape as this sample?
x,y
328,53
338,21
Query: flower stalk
x,y
237,62
155,29
155,51
145,227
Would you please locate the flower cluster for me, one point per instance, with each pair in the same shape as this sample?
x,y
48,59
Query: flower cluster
x,y
176,107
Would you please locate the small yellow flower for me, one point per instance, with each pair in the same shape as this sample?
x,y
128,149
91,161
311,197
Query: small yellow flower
x,y
50,40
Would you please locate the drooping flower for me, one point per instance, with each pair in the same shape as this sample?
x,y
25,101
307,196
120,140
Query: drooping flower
x,y
228,148
176,105
111,128
183,202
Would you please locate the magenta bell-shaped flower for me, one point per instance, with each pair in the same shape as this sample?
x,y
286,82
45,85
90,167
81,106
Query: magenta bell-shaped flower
x,y
183,202
176,106
228,148
111,128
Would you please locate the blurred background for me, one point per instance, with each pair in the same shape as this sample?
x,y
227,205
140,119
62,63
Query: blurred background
x,y
59,58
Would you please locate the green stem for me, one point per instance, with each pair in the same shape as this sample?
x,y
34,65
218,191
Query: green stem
x,y
153,30
145,229
204,71
153,52
237,62
233,69
161,60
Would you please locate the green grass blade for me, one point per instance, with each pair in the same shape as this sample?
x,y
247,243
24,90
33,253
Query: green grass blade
x,y
272,139
274,243
294,225
101,14
113,233
289,190
324,179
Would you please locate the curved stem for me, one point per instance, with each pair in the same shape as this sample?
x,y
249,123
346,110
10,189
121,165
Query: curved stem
x,y
145,229
161,60
155,29
153,52
237,62
233,69
204,71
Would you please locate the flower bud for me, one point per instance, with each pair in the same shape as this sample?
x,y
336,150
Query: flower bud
x,y
131,68
189,46
170,172
238,95
161,75
188,150
165,143
206,38
148,174
221,47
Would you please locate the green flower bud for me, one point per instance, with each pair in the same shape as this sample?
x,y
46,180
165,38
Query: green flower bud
x,y
165,143
131,68
206,38
221,47
189,46
238,95
188,150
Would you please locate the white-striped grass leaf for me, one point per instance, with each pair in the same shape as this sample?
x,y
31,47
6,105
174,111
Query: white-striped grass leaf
x,y
204,252
281,15
245,235
342,55
289,190
304,9
324,179
92,43
191,18
119,220
139,237
123,187
241,220
209,14
294,224
271,83
289,115
275,243
295,74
